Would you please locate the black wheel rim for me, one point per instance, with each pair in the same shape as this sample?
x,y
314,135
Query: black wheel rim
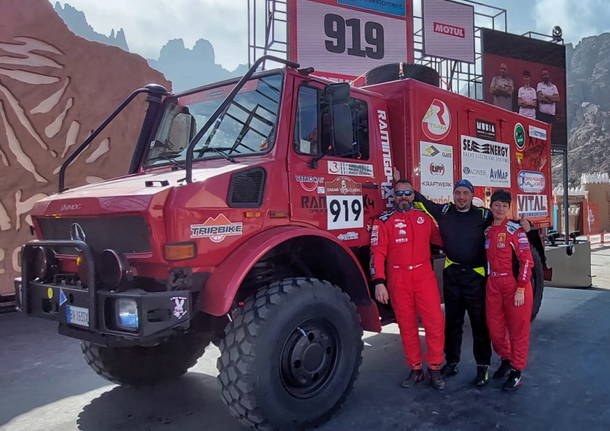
x,y
309,358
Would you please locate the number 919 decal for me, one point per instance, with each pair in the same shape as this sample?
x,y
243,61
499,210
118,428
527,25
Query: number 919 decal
x,y
344,212
335,30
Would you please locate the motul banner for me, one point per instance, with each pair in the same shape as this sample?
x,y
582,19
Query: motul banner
x,y
448,30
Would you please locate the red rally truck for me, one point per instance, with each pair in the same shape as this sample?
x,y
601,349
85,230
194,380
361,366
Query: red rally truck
x,y
244,220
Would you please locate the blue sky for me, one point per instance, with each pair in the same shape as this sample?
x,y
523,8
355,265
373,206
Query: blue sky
x,y
149,24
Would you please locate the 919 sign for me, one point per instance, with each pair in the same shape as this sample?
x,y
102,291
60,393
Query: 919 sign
x,y
344,212
335,30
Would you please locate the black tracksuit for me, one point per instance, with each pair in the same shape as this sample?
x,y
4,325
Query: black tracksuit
x,y
464,276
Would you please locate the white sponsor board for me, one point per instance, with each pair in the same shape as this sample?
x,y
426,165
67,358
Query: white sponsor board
x,y
436,162
347,41
485,163
351,169
532,206
537,132
531,181
449,30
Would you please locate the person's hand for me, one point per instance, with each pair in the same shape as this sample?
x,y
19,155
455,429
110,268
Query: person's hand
x,y
525,224
381,293
520,297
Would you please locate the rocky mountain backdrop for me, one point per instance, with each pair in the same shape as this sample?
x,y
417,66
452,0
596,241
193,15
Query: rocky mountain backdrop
x,y
184,67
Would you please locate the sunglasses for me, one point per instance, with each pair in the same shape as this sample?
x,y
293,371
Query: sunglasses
x,y
403,192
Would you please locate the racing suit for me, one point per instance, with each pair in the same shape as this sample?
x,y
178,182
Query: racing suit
x,y
400,252
509,325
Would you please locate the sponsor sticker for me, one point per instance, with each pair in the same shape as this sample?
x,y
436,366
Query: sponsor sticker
x,y
179,306
448,29
522,235
532,206
309,183
519,136
524,246
343,186
348,236
537,132
387,187
374,235
316,204
420,220
531,181
436,171
351,169
400,225
401,240
486,130
523,241
485,163
436,123
217,228
402,232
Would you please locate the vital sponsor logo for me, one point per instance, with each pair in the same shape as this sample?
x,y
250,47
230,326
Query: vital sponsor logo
x,y
486,147
388,169
519,136
532,206
537,132
352,169
437,120
348,236
308,183
437,169
531,181
486,130
343,186
217,229
449,30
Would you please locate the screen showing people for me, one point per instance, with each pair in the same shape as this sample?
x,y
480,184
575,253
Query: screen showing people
x,y
527,76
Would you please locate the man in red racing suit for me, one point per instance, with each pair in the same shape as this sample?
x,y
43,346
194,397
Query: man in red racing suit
x,y
509,296
400,253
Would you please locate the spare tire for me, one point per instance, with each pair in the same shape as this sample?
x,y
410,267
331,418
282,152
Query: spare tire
x,y
396,71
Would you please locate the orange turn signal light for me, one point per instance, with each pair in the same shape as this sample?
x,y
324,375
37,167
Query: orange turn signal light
x,y
180,250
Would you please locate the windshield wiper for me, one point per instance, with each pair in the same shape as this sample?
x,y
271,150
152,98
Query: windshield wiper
x,y
169,156
218,150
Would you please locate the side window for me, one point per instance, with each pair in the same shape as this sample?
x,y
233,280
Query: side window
x,y
338,129
307,130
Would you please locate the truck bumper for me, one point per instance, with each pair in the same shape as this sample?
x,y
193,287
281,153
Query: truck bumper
x,y
127,317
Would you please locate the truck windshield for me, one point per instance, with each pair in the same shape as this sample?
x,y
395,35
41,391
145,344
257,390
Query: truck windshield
x,y
246,127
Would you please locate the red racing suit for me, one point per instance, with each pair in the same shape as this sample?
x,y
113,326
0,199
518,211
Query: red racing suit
x,y
400,252
509,326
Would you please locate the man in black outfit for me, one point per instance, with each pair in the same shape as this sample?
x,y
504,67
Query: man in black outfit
x,y
462,226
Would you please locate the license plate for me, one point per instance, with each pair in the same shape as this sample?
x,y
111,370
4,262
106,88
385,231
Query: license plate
x,y
77,315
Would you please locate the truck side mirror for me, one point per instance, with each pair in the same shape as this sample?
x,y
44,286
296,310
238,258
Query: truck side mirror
x,y
180,132
337,93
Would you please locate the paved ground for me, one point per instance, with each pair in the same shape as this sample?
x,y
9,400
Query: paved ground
x,y
45,384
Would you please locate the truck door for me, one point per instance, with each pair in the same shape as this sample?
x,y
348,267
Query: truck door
x,y
333,183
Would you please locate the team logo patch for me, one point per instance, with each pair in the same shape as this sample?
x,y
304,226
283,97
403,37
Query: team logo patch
x,y
400,225
401,240
501,240
402,232
523,241
217,228
420,220
486,244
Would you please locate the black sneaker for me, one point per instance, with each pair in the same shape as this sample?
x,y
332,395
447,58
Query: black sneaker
x,y
514,380
415,377
436,378
482,376
450,369
503,370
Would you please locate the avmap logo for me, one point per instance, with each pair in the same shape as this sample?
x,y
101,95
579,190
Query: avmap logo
x,y
217,228
437,120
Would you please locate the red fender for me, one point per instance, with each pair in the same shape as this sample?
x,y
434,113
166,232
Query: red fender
x,y
222,286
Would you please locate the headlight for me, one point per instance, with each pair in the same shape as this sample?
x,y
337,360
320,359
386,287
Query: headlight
x,y
44,263
112,269
126,312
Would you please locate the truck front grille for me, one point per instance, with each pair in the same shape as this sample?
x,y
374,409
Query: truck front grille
x,y
124,234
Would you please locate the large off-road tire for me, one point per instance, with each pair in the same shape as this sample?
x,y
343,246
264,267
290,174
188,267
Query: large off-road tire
x,y
290,355
537,282
139,366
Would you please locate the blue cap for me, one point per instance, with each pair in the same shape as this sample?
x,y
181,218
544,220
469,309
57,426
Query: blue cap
x,y
464,183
